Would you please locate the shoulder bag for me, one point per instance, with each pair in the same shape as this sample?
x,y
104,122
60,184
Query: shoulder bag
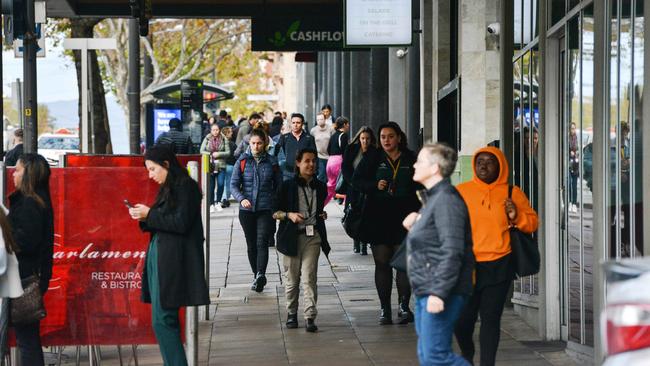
x,y
28,308
524,250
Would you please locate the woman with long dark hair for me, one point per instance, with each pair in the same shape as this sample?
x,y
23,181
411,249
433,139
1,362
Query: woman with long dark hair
x,y
364,144
173,276
255,182
338,143
387,180
32,225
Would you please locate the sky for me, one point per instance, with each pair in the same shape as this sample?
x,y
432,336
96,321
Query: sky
x,y
57,80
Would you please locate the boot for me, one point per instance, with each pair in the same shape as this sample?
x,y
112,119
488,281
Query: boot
x,y
385,316
364,249
310,326
404,315
357,245
260,282
292,321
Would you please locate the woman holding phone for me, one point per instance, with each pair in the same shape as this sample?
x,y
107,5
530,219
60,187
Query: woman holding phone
x,y
173,276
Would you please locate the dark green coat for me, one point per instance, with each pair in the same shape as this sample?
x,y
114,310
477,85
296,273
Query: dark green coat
x,y
180,248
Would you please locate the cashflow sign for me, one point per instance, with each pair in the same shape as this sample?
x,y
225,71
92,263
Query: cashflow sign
x,y
304,33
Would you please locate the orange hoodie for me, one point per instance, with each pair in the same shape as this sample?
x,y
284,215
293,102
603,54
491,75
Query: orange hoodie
x,y
486,206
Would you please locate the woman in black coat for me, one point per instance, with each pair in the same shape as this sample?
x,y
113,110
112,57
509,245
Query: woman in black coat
x,y
363,146
32,225
173,276
387,181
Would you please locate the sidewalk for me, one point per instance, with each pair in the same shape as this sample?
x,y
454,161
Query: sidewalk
x,y
247,328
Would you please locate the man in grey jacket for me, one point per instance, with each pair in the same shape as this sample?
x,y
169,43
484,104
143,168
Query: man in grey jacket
x,y
440,256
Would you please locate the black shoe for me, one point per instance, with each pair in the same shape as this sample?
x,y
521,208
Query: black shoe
x,y
404,315
254,284
310,326
364,249
357,247
385,317
292,321
260,282
225,203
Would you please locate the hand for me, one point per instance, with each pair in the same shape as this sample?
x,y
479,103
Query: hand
x,y
410,220
511,209
296,218
246,204
323,215
382,184
214,154
435,304
139,212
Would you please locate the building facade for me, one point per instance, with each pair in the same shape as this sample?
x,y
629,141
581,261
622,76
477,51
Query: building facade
x,y
559,86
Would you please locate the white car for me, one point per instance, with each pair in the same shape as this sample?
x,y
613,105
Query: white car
x,y
53,146
625,320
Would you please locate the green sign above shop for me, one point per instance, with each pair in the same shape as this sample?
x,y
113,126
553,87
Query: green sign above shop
x,y
308,33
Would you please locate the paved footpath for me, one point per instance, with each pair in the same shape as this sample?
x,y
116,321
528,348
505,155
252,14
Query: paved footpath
x,y
247,328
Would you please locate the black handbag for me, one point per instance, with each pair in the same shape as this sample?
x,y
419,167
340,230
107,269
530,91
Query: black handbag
x,y
341,187
524,250
398,261
28,308
353,217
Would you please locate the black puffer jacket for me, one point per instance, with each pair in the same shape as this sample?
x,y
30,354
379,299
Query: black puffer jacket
x,y
439,245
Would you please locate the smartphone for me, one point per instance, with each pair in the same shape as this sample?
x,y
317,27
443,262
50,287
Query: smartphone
x,y
128,204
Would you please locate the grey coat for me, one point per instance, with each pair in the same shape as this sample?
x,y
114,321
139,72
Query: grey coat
x,y
439,245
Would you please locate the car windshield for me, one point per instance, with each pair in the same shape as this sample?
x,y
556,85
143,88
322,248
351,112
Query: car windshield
x,y
58,143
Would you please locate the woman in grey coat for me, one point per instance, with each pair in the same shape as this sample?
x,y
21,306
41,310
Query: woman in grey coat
x,y
440,257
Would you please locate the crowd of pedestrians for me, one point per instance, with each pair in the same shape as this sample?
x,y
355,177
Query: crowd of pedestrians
x,y
454,241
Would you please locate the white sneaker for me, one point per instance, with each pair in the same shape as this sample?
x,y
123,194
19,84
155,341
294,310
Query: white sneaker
x,y
212,209
219,208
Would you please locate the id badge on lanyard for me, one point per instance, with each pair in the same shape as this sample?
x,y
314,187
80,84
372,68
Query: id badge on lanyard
x,y
309,230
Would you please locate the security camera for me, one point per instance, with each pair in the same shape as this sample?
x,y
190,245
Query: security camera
x,y
400,53
493,28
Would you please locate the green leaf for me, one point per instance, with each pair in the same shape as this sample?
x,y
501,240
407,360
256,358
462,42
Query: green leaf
x,y
278,35
293,27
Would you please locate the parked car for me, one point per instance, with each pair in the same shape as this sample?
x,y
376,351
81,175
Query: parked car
x,y
625,318
53,146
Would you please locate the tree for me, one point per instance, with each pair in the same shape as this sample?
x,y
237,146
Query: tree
x,y
83,28
45,121
185,49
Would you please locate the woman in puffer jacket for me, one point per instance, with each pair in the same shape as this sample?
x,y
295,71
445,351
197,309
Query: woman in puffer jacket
x,y
255,181
215,145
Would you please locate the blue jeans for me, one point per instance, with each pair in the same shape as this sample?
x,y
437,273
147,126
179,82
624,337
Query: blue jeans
x,y
435,332
322,170
218,179
226,186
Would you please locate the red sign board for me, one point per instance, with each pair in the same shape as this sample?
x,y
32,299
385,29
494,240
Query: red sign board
x,y
99,254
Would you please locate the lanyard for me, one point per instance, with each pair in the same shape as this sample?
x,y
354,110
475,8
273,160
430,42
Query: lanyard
x,y
309,202
394,167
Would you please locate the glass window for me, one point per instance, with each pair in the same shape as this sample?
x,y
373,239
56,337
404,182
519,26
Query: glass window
x,y
557,10
636,224
584,189
572,126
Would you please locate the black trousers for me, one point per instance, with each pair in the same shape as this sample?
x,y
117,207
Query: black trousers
x,y
28,338
488,302
257,230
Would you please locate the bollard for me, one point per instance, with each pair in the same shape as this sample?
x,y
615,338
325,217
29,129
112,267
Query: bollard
x,y
192,315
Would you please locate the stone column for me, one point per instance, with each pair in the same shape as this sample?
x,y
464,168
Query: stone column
x,y
359,88
378,87
345,87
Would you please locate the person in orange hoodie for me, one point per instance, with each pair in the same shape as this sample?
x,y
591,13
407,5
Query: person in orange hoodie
x,y
491,215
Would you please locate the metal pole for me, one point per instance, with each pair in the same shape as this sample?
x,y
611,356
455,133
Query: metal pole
x,y
21,104
85,131
29,75
192,314
134,86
